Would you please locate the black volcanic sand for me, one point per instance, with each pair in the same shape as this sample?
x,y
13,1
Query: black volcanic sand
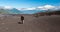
x,y
9,23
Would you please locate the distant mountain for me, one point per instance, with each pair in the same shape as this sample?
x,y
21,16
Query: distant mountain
x,y
14,11
2,11
33,11
10,11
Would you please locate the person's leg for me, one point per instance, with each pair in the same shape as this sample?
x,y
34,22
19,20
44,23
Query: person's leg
x,y
23,21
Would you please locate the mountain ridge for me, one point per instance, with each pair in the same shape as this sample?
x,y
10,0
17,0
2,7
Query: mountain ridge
x,y
16,11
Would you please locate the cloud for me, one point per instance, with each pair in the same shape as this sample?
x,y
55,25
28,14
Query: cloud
x,y
8,7
30,8
26,8
49,6
41,8
46,7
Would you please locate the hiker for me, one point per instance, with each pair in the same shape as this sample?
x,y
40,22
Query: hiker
x,y
22,19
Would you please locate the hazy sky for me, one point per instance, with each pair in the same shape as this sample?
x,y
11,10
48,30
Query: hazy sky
x,y
28,3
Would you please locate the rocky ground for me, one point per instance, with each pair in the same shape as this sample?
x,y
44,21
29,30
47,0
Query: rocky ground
x,y
9,23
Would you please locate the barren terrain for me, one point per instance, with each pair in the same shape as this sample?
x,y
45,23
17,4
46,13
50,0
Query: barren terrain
x,y
9,23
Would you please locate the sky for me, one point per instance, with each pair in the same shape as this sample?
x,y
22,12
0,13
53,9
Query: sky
x,y
28,3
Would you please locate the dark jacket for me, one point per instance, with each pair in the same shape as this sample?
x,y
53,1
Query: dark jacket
x,y
22,18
